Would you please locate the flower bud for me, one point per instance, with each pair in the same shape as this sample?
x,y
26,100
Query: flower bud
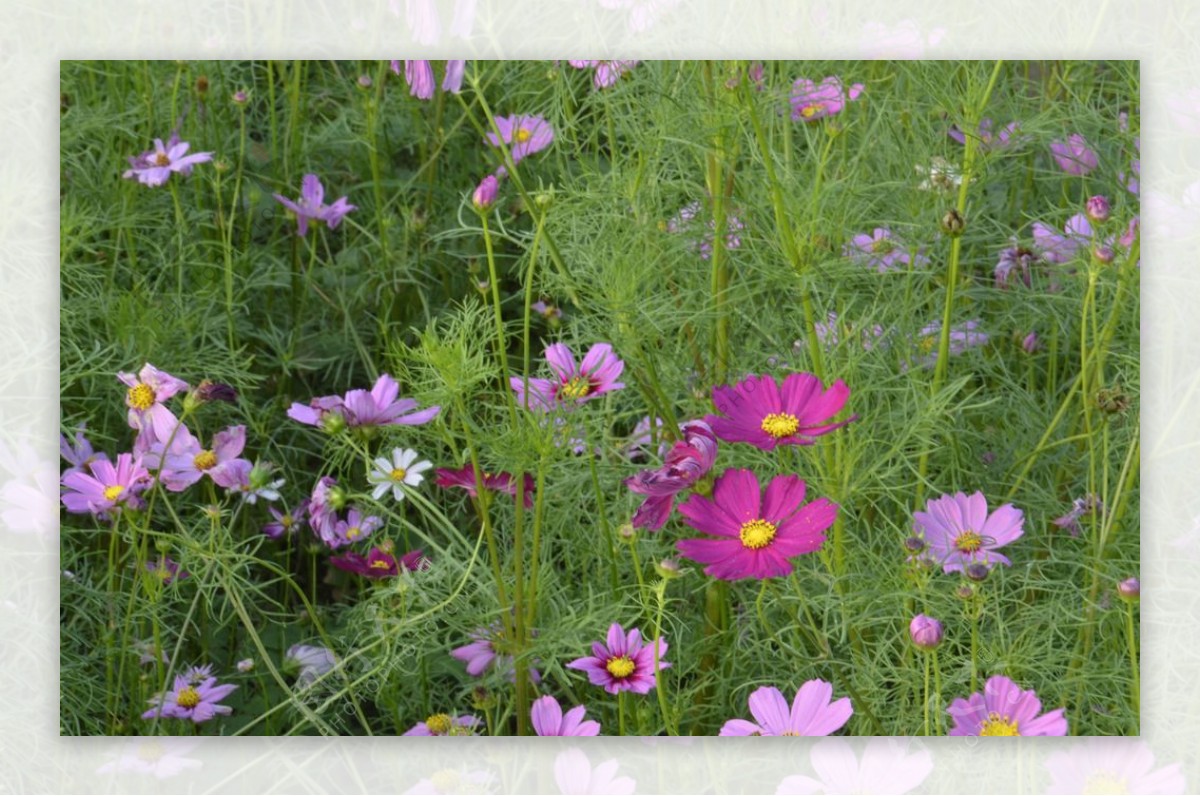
x,y
1098,208
627,532
240,97
977,571
1103,254
364,81
965,591
337,498
485,194
668,568
953,223
209,390
925,631
245,665
1129,589
914,544
202,85
1112,400
1030,343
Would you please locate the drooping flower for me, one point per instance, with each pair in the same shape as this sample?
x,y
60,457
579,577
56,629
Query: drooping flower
x,y
1004,709
689,460
1074,155
811,101
326,499
605,73
575,383
813,712
959,530
882,251
987,140
445,724
1016,264
420,79
311,207
107,487
403,470
625,663
523,135
764,414
147,392
379,563
166,570
186,461
548,719
309,662
1080,507
452,82
354,528
487,650
758,534
640,439
198,701
154,168
79,454
1057,248
685,221
925,631
962,337
464,478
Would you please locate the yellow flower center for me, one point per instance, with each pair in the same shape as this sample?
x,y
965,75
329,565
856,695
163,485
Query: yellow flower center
x,y
398,474
205,460
808,111
522,135
577,387
789,732
353,532
968,542
141,396
1105,782
113,492
286,521
881,246
780,425
757,534
995,724
188,698
161,159
380,563
621,667
927,343
439,723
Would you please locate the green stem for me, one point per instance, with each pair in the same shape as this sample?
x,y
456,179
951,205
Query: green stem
x,y
1135,684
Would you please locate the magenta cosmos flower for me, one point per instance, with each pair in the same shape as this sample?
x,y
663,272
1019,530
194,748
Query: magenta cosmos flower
x,y
108,487
464,478
187,461
882,251
1004,709
624,663
758,534
689,460
486,651
445,724
311,207
380,563
147,392
523,135
760,412
1074,156
192,698
548,719
153,168
811,101
605,73
811,713
575,383
959,531
380,406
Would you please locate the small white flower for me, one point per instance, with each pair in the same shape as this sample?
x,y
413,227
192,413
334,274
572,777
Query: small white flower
x,y
940,175
403,470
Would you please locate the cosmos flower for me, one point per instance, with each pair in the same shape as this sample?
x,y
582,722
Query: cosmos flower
x,y
309,662
311,207
198,701
1057,248
380,406
1111,765
605,73
444,724
1074,155
640,439
379,563
1004,709
154,168
403,470
147,392
464,478
254,481
624,663
547,311
484,195
925,631
167,570
685,221
108,487
326,499
420,79
958,530
523,135
485,651
812,712
79,453
354,528
575,383
1080,507
882,251
689,460
759,411
872,765
573,771
1016,263
185,462
962,336
987,140
548,719
810,101
829,334
757,534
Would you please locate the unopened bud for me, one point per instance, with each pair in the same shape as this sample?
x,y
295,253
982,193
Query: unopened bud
x,y
627,532
1130,589
1030,343
925,631
668,568
914,544
485,193
953,223
1098,208
202,85
977,571
240,97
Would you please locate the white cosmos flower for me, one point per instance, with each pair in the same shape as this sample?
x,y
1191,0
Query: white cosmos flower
x,y
403,470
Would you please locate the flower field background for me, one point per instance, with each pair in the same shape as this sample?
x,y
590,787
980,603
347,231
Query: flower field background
x,y
590,397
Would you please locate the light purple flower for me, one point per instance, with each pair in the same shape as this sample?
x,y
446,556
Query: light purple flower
x,y
419,76
168,570
453,79
1030,343
1004,709
311,207
1080,507
624,663
354,528
811,101
903,41
813,712
959,530
154,168
962,337
987,140
196,701
548,719
876,765
547,311
483,653
524,135
882,251
689,460
1074,156
685,221
108,487
310,662
575,384
79,455
187,461
381,406
485,193
829,334
1057,248
322,506
605,73
1016,263
147,392
1098,208
573,772
1111,765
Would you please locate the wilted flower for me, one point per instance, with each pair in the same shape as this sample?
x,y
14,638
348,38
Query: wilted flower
x,y
688,461
311,207
940,175
154,168
1016,263
1080,507
685,221
1074,156
245,665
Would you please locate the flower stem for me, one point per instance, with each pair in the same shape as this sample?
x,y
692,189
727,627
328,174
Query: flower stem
x,y
1135,683
928,658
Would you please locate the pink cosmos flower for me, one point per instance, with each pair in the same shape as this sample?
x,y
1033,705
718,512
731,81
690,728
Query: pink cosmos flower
x,y
167,570
79,454
147,392
876,765
829,333
640,439
812,712
1016,264
811,101
186,461
1057,248
605,73
484,652
760,412
354,528
311,207
380,563
198,701
326,499
573,771
285,523
443,724
155,167
420,79
575,384
464,478
108,488
381,406
523,135
1004,709
1074,156
757,534
987,140
689,460
548,719
882,251
959,531
624,663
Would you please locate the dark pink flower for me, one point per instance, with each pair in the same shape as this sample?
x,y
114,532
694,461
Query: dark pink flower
x,y
624,663
689,460
379,563
1004,709
812,713
464,478
575,383
760,412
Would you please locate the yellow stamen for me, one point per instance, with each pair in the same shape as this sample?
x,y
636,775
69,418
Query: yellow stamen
x,y
439,723
968,542
780,425
809,111
205,460
398,474
140,396
1105,782
161,159
621,667
113,492
188,698
757,534
995,724
522,135
380,563
789,732
353,532
578,387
